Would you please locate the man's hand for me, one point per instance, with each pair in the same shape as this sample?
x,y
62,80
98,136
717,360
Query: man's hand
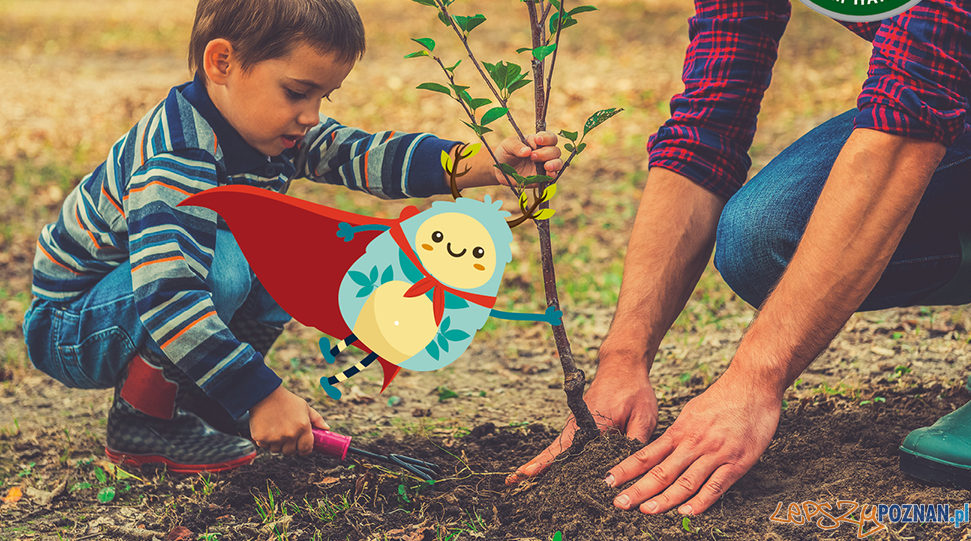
x,y
718,436
619,398
281,423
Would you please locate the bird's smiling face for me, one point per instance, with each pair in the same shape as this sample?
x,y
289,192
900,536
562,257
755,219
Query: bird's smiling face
x,y
456,249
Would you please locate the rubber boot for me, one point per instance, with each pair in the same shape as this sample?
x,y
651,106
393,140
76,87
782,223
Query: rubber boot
x,y
261,337
145,426
941,453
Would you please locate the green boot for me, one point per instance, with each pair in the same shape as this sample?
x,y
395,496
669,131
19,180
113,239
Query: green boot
x,y
941,453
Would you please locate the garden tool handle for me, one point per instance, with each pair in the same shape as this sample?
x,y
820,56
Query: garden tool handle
x,y
331,444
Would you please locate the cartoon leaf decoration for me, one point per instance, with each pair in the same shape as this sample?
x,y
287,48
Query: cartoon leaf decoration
x,y
388,275
544,214
446,161
443,343
549,192
365,291
374,275
427,43
469,151
456,335
454,303
435,87
446,323
432,350
523,199
409,268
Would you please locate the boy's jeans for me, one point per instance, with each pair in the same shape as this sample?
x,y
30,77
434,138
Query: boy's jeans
x,y
86,343
762,224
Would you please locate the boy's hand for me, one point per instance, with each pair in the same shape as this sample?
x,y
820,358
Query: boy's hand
x,y
281,423
540,148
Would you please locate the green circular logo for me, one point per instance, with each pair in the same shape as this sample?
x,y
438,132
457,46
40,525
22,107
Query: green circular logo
x,y
860,10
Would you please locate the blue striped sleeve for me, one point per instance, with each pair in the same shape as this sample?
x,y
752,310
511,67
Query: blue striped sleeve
x,y
172,249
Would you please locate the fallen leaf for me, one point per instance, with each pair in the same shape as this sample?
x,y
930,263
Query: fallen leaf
x,y
328,481
38,496
13,495
180,533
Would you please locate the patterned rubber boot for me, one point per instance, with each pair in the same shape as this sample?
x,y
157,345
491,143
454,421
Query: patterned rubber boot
x,y
145,426
258,335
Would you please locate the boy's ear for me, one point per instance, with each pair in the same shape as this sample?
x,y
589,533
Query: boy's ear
x,y
218,60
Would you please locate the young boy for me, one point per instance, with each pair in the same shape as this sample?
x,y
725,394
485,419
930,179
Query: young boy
x,y
134,292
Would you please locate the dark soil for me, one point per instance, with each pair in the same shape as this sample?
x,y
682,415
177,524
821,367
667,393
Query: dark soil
x,y
827,450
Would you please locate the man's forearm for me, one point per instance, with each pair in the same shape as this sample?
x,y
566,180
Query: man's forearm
x,y
670,245
862,213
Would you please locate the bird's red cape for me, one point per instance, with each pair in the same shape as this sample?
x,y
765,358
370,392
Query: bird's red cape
x,y
293,247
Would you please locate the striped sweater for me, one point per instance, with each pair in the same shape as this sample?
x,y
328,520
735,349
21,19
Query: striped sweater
x,y
126,209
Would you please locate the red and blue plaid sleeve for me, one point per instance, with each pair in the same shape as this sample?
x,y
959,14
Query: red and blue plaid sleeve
x,y
727,68
919,81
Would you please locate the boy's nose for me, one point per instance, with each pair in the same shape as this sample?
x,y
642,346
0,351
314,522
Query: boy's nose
x,y
310,116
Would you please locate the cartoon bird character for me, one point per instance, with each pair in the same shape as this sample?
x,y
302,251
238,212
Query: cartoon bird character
x,y
411,292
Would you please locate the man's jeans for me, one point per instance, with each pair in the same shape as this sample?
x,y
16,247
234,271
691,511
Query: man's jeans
x,y
762,224
86,343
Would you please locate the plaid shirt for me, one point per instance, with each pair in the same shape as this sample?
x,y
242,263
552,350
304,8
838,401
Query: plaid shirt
x,y
918,85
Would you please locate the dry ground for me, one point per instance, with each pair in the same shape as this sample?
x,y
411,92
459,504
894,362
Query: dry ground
x,y
78,73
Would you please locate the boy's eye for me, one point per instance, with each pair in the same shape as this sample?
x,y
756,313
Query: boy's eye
x,y
294,95
438,236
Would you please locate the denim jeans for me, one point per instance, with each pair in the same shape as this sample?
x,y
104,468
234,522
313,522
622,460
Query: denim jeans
x,y
85,343
762,224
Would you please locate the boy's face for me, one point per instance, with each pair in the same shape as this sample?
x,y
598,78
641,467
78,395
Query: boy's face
x,y
275,102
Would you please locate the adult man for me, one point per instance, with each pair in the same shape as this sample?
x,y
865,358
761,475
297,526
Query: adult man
x,y
877,201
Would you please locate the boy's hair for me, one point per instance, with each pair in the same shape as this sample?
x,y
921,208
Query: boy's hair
x,y
266,29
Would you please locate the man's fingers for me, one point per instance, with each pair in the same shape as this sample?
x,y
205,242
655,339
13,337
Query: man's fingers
x,y
641,461
719,482
679,488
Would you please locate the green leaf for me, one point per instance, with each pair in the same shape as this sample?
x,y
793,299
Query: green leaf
x,y
479,102
435,87
556,4
444,393
427,43
106,494
452,69
467,24
442,17
599,118
80,486
100,475
558,536
535,179
511,171
523,49
567,23
581,9
403,493
571,135
416,54
426,3
581,147
540,53
479,130
569,147
518,84
493,114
